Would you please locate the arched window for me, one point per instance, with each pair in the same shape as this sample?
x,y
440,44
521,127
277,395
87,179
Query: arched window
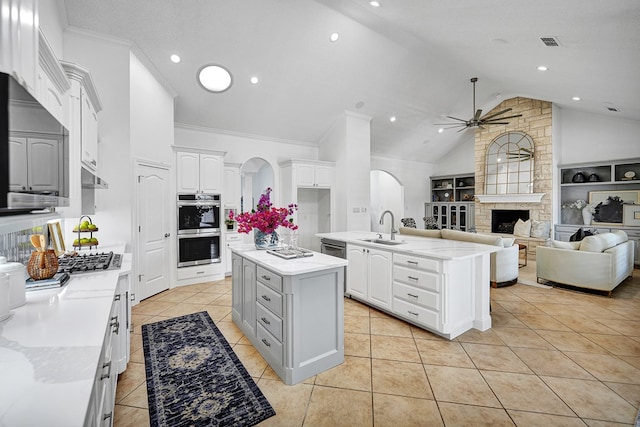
x,y
509,164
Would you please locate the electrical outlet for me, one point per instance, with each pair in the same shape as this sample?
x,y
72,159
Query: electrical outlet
x,y
356,210
364,210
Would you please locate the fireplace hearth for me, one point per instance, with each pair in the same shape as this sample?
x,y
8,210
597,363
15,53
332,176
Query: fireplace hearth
x,y
503,220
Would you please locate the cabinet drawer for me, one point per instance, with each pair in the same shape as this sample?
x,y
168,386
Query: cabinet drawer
x,y
270,321
417,314
269,298
270,279
268,344
417,262
419,278
417,296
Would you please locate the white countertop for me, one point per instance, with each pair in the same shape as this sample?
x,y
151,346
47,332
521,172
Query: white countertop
x,y
289,267
50,349
415,245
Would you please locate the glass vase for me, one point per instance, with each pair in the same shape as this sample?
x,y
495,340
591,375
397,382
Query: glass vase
x,y
264,240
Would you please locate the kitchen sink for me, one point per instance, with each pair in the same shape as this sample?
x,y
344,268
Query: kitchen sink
x,y
384,241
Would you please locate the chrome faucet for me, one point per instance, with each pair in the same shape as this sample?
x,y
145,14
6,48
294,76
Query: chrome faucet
x,y
393,228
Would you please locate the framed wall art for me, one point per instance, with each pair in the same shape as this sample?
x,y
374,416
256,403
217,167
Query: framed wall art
x,y
631,215
609,205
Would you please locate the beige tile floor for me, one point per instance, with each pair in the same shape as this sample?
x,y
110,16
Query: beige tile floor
x,y
554,357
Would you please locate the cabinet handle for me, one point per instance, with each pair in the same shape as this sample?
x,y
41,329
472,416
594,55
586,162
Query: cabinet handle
x,y
107,416
412,262
266,298
116,324
412,278
266,342
108,374
116,298
267,278
167,234
265,321
133,297
412,313
412,295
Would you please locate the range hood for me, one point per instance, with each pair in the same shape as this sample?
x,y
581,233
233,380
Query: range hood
x,y
90,180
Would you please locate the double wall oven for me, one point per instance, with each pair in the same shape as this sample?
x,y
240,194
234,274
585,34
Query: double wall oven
x,y
198,229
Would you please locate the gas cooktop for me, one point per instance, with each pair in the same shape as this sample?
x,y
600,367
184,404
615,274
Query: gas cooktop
x,y
88,263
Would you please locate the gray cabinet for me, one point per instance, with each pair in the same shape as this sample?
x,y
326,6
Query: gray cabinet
x,y
455,216
579,182
453,188
295,320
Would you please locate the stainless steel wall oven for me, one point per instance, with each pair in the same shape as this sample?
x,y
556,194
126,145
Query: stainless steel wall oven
x,y
198,229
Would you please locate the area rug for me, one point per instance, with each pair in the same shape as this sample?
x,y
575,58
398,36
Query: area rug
x,y
195,379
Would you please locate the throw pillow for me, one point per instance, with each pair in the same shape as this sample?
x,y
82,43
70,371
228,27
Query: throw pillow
x,y
540,229
522,228
566,245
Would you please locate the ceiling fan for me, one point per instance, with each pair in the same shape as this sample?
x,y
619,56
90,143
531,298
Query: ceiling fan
x,y
476,121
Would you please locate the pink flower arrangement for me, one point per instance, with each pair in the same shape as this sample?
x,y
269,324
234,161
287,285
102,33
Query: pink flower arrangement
x,y
265,217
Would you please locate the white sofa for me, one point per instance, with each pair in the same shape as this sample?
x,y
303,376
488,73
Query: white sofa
x,y
599,262
504,263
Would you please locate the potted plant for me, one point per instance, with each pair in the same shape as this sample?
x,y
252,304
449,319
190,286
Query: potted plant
x,y
264,220
229,223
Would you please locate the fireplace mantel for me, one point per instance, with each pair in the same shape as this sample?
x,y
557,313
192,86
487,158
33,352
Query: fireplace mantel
x,y
510,198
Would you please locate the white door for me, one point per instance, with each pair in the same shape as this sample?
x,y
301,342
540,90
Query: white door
x,y
154,208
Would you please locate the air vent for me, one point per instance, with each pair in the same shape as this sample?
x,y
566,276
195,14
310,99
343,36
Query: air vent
x,y
550,41
613,109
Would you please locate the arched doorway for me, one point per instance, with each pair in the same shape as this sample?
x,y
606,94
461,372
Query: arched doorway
x,y
387,193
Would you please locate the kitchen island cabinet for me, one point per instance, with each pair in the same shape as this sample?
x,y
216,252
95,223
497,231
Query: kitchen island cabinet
x,y
62,351
292,310
437,284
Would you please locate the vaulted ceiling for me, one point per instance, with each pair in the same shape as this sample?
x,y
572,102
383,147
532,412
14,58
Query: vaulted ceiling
x,y
411,59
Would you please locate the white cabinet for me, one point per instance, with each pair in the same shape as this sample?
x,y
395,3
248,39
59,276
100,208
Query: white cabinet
x,y
34,164
231,239
115,352
19,40
564,231
199,172
51,81
369,275
312,174
83,114
309,185
232,185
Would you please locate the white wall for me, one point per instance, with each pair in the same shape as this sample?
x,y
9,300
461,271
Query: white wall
x,y
240,148
414,177
333,147
386,194
459,160
53,21
151,115
588,137
108,62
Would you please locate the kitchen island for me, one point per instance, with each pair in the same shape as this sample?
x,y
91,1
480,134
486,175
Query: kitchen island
x,y
437,284
61,352
292,310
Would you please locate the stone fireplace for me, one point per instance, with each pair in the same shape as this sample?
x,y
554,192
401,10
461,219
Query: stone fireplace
x,y
535,122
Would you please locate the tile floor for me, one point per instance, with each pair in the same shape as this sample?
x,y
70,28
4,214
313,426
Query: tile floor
x,y
553,357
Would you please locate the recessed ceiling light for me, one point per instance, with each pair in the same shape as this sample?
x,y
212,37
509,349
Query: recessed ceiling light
x,y
392,119
175,58
214,78
576,98
334,37
440,130
374,3
542,68
254,80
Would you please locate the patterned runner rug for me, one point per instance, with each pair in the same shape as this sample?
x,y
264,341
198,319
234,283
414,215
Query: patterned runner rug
x,y
195,379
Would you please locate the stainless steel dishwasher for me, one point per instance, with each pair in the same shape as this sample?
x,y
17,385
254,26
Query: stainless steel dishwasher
x,y
334,248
